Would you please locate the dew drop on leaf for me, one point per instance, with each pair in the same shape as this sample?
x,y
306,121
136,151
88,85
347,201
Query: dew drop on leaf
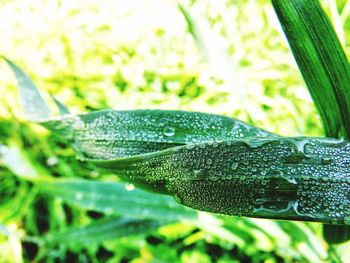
x,y
234,166
168,131
79,196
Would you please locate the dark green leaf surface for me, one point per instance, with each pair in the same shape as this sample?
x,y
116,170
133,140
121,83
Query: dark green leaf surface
x,y
286,178
336,234
112,134
289,175
321,60
114,198
325,69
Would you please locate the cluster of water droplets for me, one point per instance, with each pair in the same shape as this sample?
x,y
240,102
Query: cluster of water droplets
x,y
219,164
113,134
299,178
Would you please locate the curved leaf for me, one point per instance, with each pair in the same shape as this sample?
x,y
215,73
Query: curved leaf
x,y
33,104
286,178
325,68
112,134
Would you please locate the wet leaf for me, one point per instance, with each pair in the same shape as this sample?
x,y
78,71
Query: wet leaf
x,y
251,177
112,134
325,68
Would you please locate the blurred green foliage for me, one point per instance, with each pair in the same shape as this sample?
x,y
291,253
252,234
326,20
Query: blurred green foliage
x,y
140,54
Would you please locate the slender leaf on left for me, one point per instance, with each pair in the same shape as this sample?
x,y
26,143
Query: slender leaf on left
x,y
33,104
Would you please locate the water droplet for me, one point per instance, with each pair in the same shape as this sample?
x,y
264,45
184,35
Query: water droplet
x,y
347,220
168,131
260,201
234,166
209,161
79,196
51,161
178,199
263,172
198,174
190,146
129,187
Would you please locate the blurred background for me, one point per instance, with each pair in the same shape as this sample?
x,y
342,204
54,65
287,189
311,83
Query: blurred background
x,y
227,57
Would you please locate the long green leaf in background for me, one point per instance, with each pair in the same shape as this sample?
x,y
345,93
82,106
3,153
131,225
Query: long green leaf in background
x,y
325,68
105,197
115,198
101,230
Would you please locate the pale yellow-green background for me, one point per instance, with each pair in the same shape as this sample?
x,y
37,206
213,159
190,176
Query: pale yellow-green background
x,y
139,54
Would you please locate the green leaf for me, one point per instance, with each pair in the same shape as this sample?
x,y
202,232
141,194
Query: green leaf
x,y
286,178
112,134
321,60
33,104
336,234
100,230
325,69
115,198
61,107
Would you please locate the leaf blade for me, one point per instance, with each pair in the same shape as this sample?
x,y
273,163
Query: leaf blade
x,y
112,134
255,177
114,198
101,230
32,102
321,60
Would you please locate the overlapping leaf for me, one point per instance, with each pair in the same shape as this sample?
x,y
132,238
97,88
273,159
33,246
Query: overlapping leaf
x,y
325,68
101,230
214,163
115,198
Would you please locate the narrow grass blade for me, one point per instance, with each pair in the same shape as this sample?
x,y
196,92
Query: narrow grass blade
x,y
101,230
61,107
33,104
287,178
114,198
321,60
112,134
